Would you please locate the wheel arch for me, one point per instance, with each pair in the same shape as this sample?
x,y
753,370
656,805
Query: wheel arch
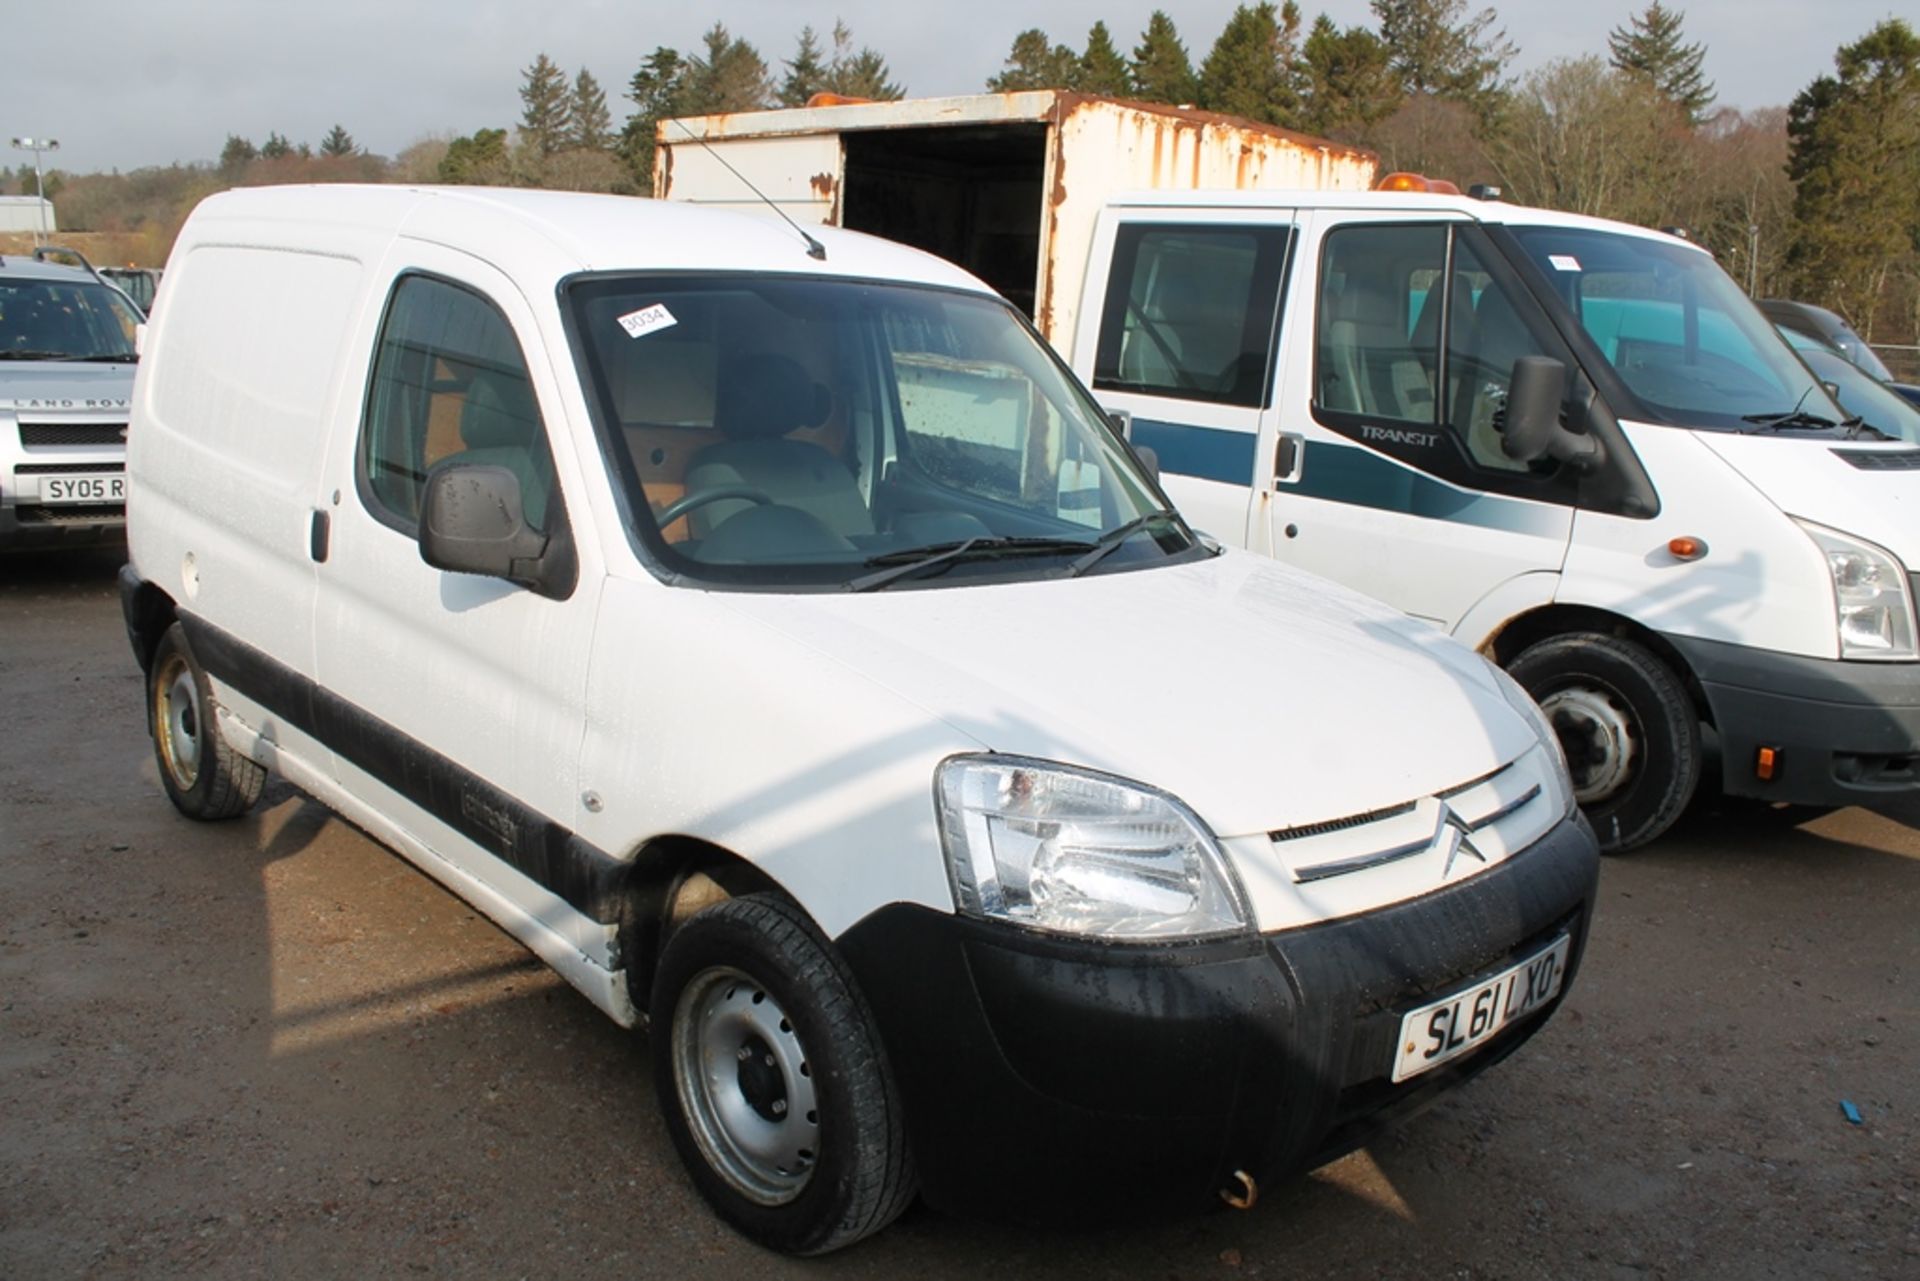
x,y
668,879
1548,621
148,611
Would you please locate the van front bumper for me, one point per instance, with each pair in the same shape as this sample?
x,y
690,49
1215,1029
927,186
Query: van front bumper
x,y
1843,733
1057,1080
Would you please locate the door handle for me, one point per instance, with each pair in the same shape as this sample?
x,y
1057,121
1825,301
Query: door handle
x,y
1289,453
317,537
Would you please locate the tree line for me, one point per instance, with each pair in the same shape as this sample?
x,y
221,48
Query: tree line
x,y
1819,199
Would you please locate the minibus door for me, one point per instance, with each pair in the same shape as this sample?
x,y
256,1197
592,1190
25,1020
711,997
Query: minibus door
x,y
1386,470
1185,345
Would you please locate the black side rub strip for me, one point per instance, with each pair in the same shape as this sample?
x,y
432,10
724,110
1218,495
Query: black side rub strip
x,y
529,842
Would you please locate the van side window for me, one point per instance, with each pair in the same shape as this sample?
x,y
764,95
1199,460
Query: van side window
x,y
1486,333
1191,312
449,384
1379,339
1419,327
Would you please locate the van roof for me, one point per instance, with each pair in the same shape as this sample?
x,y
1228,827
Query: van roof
x,y
1397,201
530,233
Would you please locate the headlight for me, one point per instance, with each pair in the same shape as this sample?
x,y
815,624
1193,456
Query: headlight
x,y
1872,602
1522,702
1065,850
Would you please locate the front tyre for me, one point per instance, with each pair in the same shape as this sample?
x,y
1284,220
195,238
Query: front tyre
x,y
204,777
1629,731
773,1079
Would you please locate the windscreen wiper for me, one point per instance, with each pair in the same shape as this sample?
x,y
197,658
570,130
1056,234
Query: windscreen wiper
x,y
1792,418
938,556
1857,424
34,355
1112,539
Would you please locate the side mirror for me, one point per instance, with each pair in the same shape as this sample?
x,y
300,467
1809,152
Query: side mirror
x,y
472,522
1148,459
1531,429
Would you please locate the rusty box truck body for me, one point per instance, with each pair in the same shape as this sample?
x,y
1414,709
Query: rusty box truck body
x,y
1008,186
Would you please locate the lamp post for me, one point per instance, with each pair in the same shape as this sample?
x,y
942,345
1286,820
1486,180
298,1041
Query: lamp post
x,y
36,146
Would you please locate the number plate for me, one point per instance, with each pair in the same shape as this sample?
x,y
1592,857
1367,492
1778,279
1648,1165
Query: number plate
x,y
109,488
1448,1028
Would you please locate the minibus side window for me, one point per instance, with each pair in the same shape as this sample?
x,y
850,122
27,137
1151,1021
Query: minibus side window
x,y
1486,332
449,384
1378,342
1191,312
1418,331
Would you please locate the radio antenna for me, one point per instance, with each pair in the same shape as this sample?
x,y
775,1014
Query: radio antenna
x,y
814,248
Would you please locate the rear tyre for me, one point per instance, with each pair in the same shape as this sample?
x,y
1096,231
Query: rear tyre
x,y
1630,733
204,777
773,1079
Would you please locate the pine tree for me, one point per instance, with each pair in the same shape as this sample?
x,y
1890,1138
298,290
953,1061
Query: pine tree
x,y
658,92
544,122
1438,48
1350,79
1161,69
1651,47
1034,62
1254,67
859,75
731,77
276,147
1102,69
806,72
478,159
338,142
1855,163
237,155
590,124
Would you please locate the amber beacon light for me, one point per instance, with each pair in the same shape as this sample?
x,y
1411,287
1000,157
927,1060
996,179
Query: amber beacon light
x,y
1402,181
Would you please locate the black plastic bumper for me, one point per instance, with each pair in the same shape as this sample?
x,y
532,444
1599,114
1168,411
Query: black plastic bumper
x,y
1057,1081
1843,733
33,535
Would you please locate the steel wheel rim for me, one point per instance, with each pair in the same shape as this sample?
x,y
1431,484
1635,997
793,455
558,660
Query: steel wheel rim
x,y
178,725
1599,737
745,1086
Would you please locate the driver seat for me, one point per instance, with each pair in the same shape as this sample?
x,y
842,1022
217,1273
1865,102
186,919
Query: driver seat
x,y
761,398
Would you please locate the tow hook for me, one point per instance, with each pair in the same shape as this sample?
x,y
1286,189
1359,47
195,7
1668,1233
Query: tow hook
x,y
1247,1194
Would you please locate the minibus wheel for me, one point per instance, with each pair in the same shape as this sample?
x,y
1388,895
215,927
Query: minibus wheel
x,y
773,1079
204,777
1628,729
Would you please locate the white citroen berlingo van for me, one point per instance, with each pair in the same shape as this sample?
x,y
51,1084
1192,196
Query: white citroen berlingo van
x,y
773,636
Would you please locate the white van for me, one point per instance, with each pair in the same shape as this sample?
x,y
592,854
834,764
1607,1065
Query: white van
x,y
774,637
1573,444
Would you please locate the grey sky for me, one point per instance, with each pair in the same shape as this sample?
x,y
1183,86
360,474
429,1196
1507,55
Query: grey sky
x,y
128,83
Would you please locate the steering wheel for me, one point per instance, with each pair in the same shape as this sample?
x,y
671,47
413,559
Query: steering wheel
x,y
701,497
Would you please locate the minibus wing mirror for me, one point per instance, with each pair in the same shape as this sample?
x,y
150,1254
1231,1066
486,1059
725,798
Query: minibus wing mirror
x,y
472,522
1531,430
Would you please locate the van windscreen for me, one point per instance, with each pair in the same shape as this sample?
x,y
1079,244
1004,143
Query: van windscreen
x,y
1686,341
808,432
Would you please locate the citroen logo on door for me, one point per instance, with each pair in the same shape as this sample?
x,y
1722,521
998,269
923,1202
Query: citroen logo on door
x,y
1456,833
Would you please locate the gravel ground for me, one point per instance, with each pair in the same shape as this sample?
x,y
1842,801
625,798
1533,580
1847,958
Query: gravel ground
x,y
273,1046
